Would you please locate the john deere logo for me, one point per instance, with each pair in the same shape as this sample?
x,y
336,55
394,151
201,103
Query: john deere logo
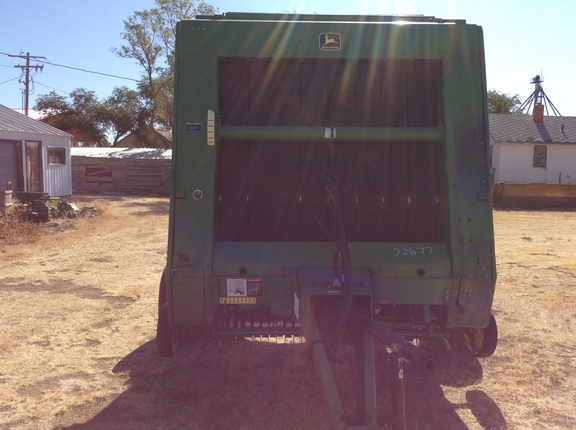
x,y
330,41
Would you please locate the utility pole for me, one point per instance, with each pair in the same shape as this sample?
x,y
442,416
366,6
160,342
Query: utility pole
x,y
27,68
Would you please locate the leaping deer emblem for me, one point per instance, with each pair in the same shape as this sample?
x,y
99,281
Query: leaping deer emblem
x,y
328,40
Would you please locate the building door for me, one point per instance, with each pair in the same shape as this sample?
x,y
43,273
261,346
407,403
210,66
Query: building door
x,y
8,164
34,166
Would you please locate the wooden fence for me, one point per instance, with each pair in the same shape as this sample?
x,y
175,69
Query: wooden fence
x,y
131,173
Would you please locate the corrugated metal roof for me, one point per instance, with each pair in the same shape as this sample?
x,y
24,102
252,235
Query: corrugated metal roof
x,y
10,120
139,153
522,129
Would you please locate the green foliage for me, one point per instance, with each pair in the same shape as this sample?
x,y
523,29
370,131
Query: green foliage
x,y
502,103
80,113
149,37
121,112
91,119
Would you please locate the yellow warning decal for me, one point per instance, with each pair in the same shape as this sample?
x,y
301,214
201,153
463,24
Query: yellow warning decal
x,y
237,300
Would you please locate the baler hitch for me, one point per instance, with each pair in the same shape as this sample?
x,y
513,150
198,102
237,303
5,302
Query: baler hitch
x,y
365,330
402,351
399,345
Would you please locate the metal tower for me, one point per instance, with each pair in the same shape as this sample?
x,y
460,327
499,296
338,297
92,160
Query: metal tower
x,y
538,98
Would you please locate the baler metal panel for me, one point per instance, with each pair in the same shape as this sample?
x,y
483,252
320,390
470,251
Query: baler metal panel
x,y
406,104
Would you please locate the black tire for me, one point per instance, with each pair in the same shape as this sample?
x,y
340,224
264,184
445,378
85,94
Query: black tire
x,y
482,342
162,291
166,339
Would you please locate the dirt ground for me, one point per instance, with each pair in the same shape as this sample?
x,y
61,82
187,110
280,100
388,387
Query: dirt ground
x,y
78,318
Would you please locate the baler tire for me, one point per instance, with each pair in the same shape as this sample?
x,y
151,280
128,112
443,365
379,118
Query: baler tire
x,y
482,342
162,291
166,339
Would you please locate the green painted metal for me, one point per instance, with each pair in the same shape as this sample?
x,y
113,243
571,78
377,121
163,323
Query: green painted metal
x,y
365,373
349,134
258,99
247,16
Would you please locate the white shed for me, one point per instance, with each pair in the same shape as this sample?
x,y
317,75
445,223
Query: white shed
x,y
525,151
34,157
534,159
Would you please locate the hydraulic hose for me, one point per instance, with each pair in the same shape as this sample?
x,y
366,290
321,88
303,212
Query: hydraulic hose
x,y
342,274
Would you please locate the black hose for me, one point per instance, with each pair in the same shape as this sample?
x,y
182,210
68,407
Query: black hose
x,y
342,254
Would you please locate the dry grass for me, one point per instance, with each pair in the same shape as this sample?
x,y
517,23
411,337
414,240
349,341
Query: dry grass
x,y
13,229
78,326
16,226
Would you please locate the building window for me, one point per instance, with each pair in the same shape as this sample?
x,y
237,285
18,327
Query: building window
x,y
56,156
539,156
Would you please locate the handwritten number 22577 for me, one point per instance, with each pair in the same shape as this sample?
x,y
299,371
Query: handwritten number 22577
x,y
412,252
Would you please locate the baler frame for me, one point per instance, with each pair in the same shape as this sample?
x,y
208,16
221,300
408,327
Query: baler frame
x,y
330,178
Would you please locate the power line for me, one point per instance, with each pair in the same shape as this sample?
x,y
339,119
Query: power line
x,y
26,68
77,68
10,80
88,71
52,88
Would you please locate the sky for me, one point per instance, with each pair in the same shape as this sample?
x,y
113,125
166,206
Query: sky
x,y
522,38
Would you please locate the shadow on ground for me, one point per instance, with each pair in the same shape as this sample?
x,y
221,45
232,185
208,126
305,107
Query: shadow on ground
x,y
152,206
255,385
426,404
137,205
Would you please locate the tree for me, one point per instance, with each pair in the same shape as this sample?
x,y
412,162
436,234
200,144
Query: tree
x,y
502,103
141,34
81,114
121,113
171,12
150,39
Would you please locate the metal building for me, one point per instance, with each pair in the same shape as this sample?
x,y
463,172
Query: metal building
x,y
34,157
